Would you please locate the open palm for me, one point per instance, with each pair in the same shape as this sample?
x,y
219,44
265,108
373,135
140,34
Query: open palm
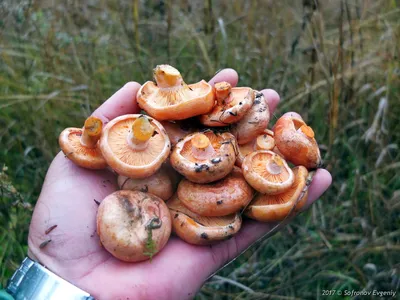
x,y
75,252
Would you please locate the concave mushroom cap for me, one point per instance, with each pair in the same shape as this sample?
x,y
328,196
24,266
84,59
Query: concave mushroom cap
x,y
232,104
267,172
176,131
216,199
295,140
254,121
80,145
198,230
270,208
264,141
170,98
127,159
204,165
160,184
133,226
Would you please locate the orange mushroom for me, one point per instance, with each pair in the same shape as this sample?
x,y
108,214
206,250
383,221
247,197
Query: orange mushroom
x,y
295,140
80,145
135,145
204,157
254,121
270,208
133,226
198,230
170,98
267,172
220,198
264,141
232,105
176,130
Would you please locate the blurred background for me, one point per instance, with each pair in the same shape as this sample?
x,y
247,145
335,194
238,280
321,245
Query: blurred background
x,y
336,62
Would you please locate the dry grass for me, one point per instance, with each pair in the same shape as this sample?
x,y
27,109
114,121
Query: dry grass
x,y
334,61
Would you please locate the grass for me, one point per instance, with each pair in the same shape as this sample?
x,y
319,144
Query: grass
x,y
336,62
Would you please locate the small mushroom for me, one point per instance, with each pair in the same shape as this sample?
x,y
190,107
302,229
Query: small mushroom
x,y
161,183
198,230
232,105
264,141
133,226
270,208
254,121
135,145
295,140
267,172
80,145
216,199
204,157
170,98
176,131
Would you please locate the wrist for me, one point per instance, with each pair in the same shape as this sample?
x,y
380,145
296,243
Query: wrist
x,y
33,281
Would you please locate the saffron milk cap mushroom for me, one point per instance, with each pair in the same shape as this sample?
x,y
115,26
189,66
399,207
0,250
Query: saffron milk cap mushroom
x,y
160,183
204,157
81,145
270,208
135,145
267,172
264,141
170,98
296,141
232,104
176,130
254,121
219,198
133,226
198,230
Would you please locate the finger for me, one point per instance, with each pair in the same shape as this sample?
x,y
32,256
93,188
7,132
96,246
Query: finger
x,y
251,231
121,103
272,98
321,181
228,75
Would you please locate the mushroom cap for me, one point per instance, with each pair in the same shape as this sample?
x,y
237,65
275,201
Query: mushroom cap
x,y
214,168
216,199
123,225
295,140
176,131
160,184
264,141
177,102
240,101
267,172
270,208
198,230
70,144
126,161
254,121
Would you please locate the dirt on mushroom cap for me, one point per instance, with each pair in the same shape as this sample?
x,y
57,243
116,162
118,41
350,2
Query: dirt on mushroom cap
x,y
198,230
220,198
70,143
269,208
123,220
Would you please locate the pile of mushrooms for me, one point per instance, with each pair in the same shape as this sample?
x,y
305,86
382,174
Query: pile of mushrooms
x,y
195,179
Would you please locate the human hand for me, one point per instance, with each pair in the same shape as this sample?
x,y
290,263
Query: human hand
x,y
75,252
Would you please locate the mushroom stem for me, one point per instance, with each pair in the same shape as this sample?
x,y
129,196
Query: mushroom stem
x,y
307,130
167,76
141,132
275,165
91,132
222,92
264,142
201,147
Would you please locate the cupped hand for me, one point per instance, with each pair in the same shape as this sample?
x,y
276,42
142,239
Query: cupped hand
x,y
75,253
